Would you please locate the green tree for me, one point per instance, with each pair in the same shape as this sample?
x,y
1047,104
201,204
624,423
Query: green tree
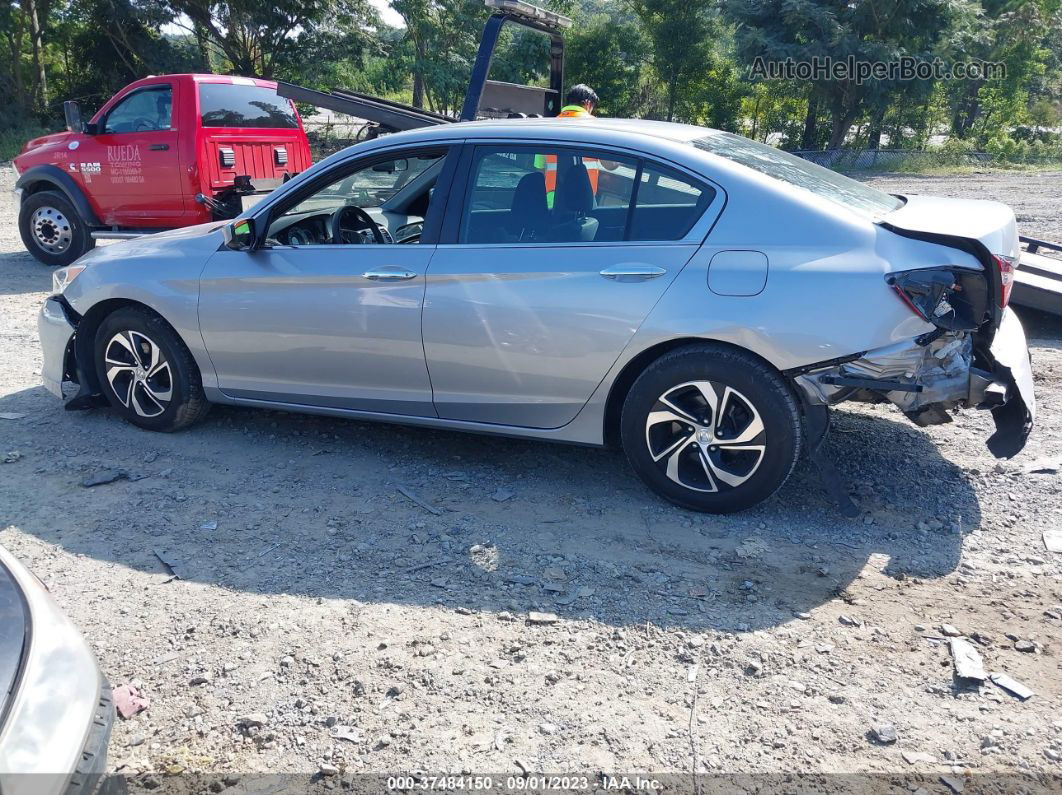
x,y
610,53
681,33
803,30
267,39
1015,33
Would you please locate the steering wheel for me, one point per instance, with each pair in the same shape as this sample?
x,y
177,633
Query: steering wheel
x,y
348,220
144,125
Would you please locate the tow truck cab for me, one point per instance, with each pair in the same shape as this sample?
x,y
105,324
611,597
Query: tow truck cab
x,y
164,152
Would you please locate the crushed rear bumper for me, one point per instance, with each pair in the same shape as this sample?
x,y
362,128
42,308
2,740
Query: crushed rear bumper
x,y
928,376
1016,416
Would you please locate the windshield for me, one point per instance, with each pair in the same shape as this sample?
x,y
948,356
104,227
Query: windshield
x,y
801,173
238,105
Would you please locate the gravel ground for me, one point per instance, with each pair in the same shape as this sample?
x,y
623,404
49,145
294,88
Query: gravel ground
x,y
328,624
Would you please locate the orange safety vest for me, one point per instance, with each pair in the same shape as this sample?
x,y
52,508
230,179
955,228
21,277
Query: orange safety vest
x,y
574,112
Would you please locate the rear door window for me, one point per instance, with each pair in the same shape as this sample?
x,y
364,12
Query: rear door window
x,y
539,194
239,105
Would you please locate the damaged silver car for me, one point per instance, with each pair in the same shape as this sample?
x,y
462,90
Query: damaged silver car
x,y
693,296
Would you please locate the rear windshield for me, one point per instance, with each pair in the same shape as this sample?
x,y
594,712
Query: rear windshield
x,y
235,105
802,173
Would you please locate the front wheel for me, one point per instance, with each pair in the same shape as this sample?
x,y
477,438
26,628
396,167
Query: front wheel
x,y
146,372
51,229
711,428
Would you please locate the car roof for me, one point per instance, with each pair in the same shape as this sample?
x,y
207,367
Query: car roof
x,y
568,128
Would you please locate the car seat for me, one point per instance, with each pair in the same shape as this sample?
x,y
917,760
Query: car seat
x,y
528,216
572,222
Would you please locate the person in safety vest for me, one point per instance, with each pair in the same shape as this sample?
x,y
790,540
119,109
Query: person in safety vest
x,y
579,103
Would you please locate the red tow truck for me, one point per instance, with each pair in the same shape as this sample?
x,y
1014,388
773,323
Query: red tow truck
x,y
164,152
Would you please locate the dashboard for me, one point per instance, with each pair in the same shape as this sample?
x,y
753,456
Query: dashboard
x,y
313,228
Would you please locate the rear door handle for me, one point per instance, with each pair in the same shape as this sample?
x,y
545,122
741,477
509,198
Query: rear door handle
x,y
632,272
389,273
159,147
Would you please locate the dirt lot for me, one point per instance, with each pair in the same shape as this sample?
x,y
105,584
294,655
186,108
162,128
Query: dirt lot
x,y
328,622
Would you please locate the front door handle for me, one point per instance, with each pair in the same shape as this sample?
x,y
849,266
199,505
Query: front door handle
x,y
159,147
389,273
632,272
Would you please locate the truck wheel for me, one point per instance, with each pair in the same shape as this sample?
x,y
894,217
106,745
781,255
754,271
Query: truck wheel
x,y
147,373
711,428
51,229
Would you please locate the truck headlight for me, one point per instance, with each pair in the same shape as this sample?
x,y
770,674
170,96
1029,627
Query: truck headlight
x,y
62,277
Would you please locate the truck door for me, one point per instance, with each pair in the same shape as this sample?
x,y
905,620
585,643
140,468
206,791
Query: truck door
x,y
135,155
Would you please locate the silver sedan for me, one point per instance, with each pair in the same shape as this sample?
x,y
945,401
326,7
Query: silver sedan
x,y
693,296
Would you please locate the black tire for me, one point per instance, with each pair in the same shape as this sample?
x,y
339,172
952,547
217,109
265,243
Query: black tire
x,y
751,396
58,222
175,376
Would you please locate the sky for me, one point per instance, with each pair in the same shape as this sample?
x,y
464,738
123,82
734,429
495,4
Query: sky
x,y
388,14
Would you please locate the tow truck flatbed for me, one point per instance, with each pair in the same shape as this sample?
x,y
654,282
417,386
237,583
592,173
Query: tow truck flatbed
x,y
1038,280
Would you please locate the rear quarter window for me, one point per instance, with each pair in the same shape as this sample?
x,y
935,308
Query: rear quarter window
x,y
668,204
238,105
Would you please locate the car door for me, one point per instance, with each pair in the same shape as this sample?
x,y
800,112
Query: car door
x,y
136,154
314,321
531,300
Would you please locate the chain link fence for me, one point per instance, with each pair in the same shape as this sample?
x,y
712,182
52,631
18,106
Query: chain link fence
x,y
891,159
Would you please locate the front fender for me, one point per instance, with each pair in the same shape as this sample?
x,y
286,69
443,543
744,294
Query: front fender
x,y
155,271
54,177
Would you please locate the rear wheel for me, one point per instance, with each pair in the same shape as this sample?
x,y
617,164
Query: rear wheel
x,y
147,373
51,229
711,428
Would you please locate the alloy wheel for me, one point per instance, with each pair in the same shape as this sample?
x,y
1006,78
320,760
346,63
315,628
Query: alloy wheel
x,y
51,229
139,373
706,436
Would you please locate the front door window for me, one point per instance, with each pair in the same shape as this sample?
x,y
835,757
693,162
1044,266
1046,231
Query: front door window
x,y
147,110
385,201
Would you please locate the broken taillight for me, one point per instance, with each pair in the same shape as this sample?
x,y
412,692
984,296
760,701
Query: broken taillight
x,y
951,299
1007,266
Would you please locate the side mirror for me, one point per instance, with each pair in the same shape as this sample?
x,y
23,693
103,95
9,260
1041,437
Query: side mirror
x,y
239,235
72,112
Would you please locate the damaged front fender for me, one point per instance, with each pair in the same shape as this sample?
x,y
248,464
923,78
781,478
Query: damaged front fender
x,y
929,376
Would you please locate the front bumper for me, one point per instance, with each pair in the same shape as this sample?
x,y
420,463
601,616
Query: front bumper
x,y
54,737
56,332
928,376
93,765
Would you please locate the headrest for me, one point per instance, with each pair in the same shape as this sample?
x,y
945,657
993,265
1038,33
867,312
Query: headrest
x,y
529,208
574,194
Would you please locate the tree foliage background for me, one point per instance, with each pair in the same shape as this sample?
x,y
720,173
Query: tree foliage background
x,y
667,59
